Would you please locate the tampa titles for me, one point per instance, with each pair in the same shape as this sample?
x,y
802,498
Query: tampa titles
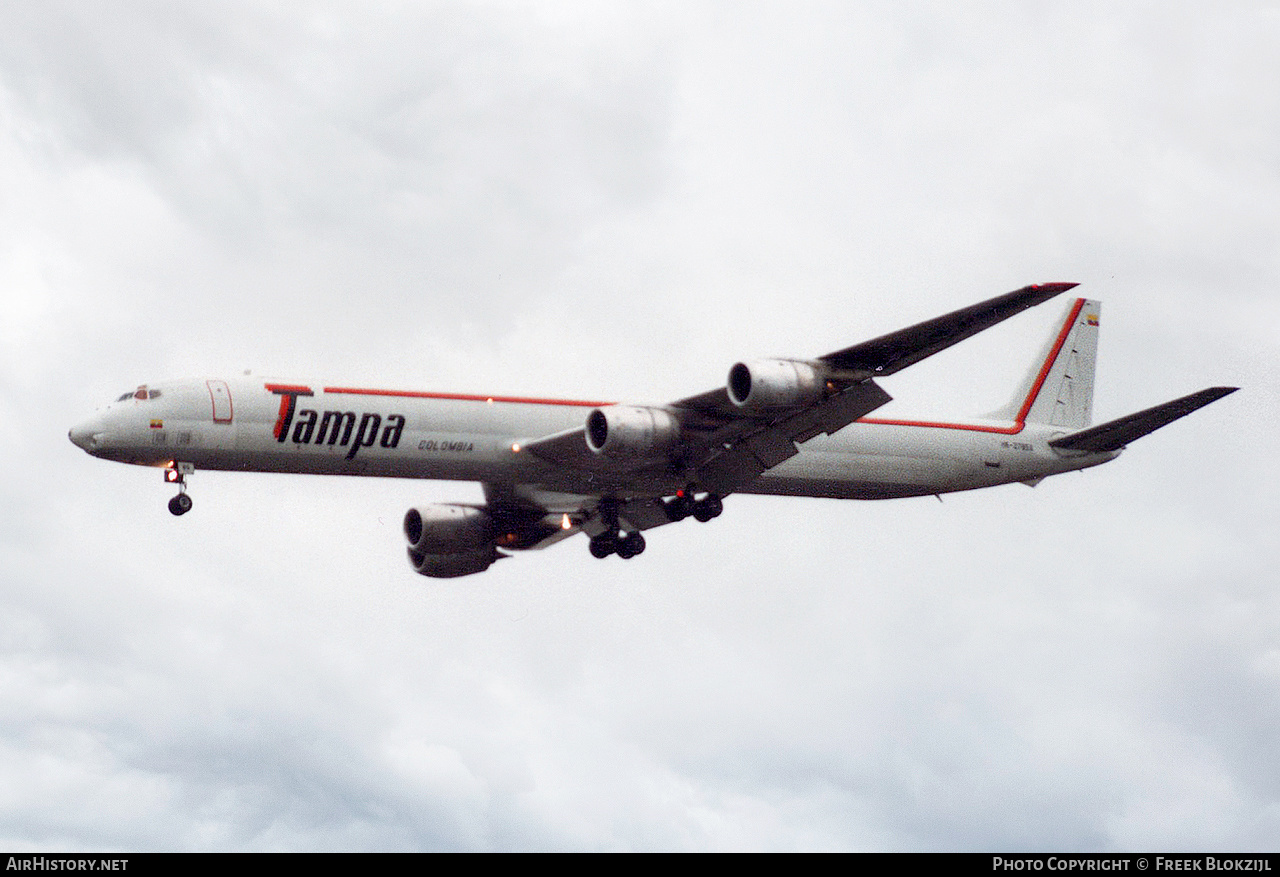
x,y
331,427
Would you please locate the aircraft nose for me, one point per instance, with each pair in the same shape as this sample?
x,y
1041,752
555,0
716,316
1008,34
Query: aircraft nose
x,y
85,435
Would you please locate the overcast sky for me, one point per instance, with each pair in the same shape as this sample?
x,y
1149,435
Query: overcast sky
x,y
618,201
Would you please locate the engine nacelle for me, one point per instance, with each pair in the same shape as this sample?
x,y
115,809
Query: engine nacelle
x,y
774,383
444,528
631,431
448,540
450,566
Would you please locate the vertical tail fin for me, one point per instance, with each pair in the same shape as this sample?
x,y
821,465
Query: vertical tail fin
x,y
1058,390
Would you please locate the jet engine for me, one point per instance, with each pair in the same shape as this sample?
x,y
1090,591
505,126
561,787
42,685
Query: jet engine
x,y
774,383
448,540
631,431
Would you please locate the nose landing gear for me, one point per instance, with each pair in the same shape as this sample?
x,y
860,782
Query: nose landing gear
x,y
176,473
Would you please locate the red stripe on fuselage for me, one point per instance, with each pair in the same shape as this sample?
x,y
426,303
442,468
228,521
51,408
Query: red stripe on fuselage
x,y
464,397
972,427
1020,421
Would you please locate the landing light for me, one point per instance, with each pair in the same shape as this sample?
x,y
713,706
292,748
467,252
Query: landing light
x,y
515,449
565,523
170,475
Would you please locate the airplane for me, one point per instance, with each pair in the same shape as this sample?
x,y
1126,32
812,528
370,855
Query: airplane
x,y
551,468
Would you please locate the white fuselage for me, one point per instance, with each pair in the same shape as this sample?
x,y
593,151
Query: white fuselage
x,y
261,425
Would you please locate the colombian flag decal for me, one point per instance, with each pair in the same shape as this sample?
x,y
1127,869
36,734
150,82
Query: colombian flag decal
x,y
156,423
1091,319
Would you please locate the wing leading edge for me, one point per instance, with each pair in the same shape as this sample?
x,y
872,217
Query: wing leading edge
x,y
897,350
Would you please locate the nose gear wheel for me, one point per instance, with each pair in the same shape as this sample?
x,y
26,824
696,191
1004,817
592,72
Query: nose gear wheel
x,y
177,473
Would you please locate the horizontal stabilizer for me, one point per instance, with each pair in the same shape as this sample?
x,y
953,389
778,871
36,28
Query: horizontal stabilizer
x,y
897,350
1115,434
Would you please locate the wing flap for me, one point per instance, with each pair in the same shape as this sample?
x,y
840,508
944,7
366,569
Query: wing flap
x,y
1115,434
743,462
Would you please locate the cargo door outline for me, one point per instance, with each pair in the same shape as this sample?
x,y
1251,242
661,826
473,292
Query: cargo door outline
x,y
220,396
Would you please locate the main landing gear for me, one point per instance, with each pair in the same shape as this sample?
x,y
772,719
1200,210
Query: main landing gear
x,y
682,505
627,545
176,473
614,540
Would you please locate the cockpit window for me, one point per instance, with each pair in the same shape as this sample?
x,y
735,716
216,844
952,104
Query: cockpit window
x,y
153,394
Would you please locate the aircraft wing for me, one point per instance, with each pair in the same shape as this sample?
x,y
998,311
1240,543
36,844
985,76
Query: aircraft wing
x,y
740,449
524,504
897,350
723,447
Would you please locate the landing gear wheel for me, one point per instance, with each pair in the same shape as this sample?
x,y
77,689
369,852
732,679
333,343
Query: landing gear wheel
x,y
601,546
176,473
631,545
710,506
678,508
